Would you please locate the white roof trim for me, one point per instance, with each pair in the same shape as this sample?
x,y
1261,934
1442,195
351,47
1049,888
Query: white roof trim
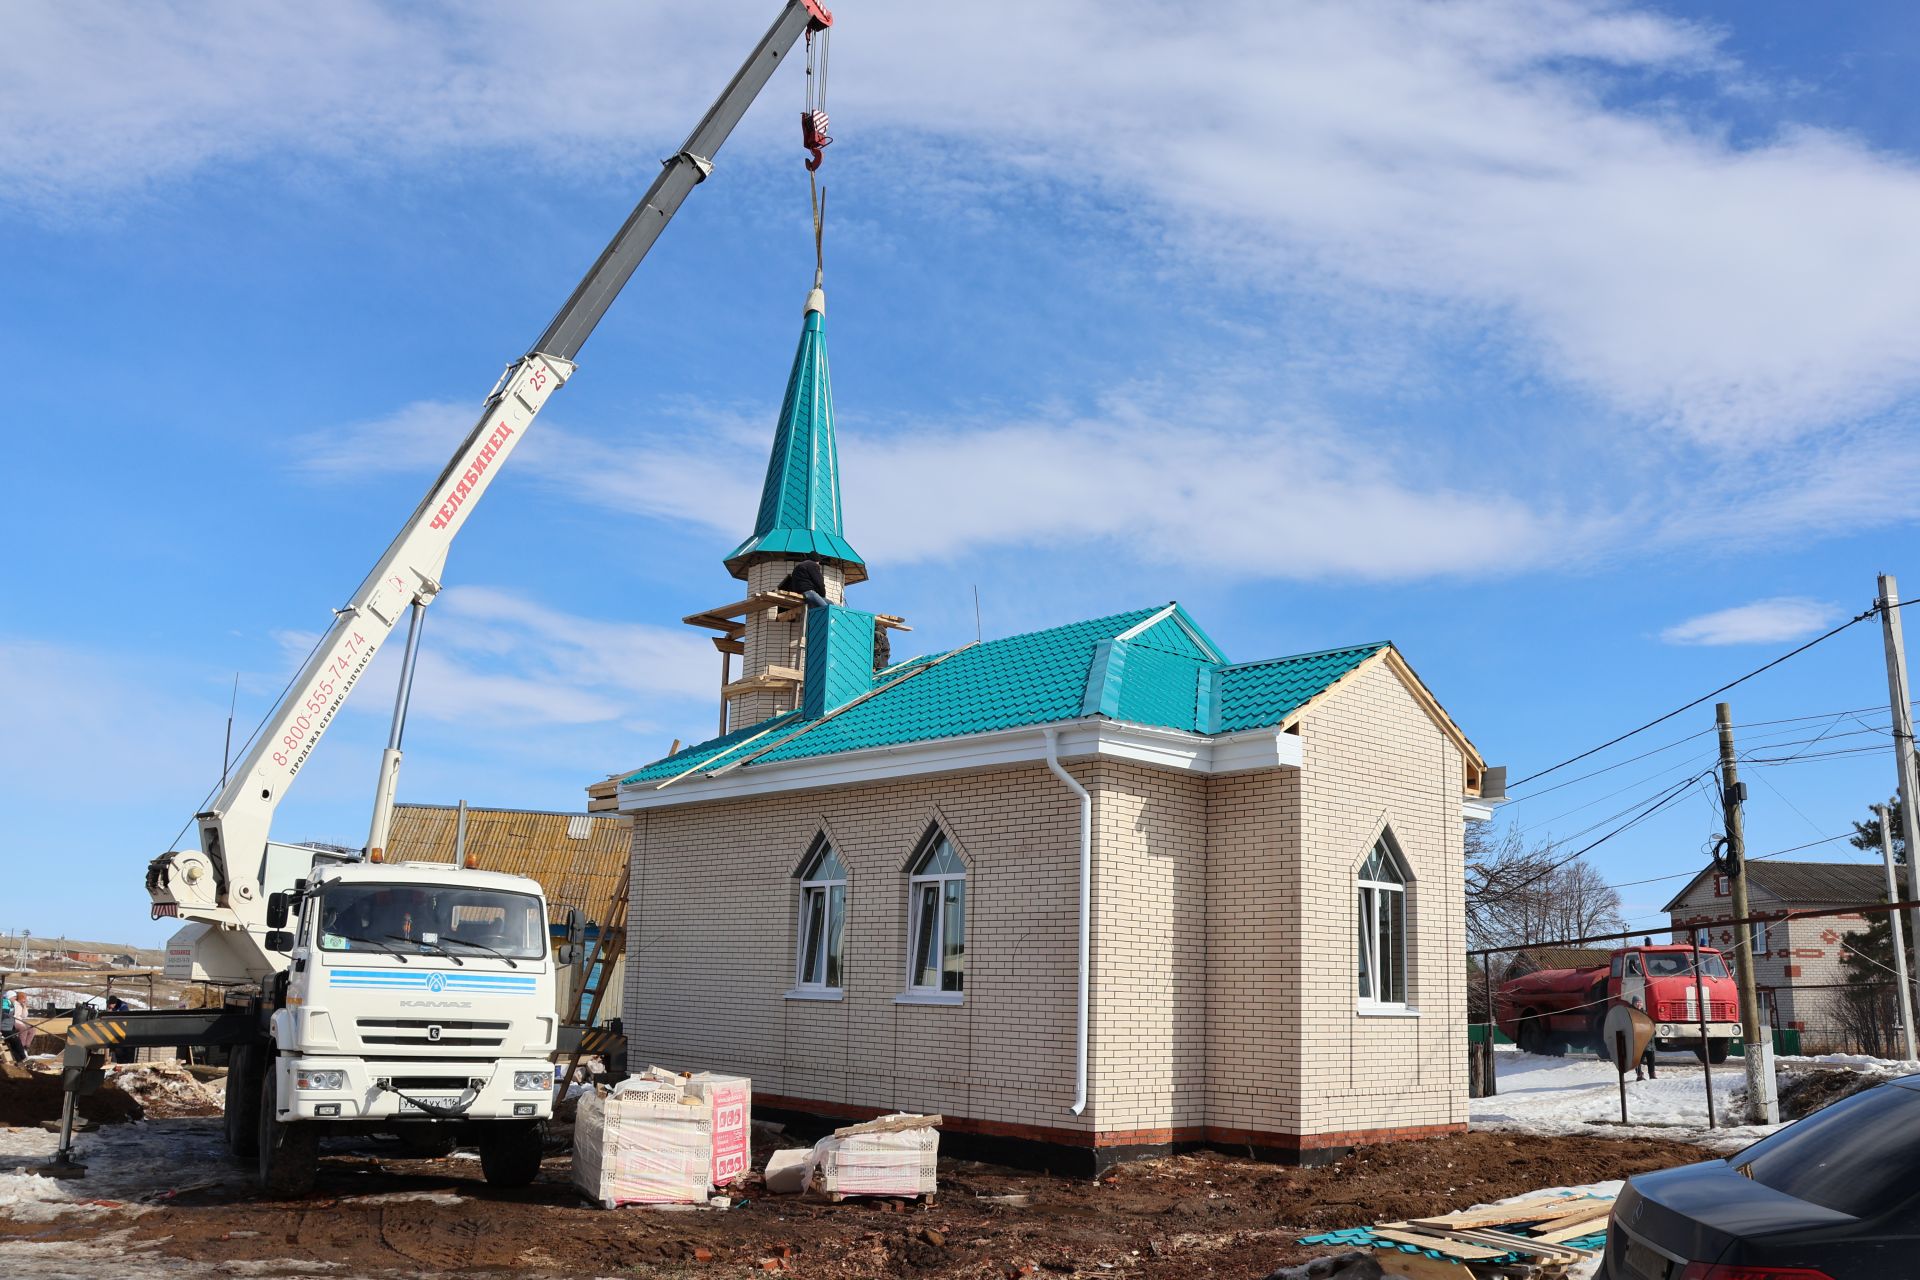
x,y
1172,611
1093,737
1146,623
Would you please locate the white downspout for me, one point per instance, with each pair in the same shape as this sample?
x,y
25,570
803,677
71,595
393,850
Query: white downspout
x,y
1086,918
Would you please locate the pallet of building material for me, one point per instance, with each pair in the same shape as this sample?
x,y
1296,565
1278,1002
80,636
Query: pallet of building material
x,y
646,1142
895,1155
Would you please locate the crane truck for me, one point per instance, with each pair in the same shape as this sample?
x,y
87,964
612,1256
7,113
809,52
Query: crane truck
x,y
362,993
1549,1010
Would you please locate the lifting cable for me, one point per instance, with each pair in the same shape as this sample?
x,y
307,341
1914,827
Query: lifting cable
x,y
814,138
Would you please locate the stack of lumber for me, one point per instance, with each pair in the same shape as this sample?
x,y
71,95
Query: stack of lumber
x,y
1535,1238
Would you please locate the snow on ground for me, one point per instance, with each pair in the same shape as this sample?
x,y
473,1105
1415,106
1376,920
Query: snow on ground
x,y
1891,1068
126,1164
1579,1094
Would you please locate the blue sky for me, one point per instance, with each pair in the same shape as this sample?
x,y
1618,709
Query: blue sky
x,y
1533,337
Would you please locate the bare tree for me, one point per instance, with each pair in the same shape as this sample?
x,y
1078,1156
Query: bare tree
x,y
1520,893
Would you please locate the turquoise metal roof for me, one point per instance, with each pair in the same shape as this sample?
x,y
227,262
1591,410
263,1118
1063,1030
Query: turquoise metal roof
x,y
1144,666
800,500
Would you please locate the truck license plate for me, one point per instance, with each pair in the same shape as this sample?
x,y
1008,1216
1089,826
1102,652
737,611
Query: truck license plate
x,y
408,1104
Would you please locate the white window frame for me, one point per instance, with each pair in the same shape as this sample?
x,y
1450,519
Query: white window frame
x,y
1757,940
1366,900
814,886
917,882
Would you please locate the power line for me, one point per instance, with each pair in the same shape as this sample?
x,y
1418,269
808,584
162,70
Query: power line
x,y
1792,653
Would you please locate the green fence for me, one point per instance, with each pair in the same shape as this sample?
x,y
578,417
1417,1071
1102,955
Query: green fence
x,y
1786,1042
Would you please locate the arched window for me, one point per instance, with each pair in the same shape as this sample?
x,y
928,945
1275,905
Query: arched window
x,y
1382,885
938,902
823,921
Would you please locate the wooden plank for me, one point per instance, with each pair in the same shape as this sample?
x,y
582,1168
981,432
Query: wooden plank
x,y
739,608
771,678
1509,1243
1535,1209
726,644
1574,1230
1417,1266
891,1124
1452,1248
1582,1208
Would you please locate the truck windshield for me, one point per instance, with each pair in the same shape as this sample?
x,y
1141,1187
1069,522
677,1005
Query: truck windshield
x,y
424,919
1671,964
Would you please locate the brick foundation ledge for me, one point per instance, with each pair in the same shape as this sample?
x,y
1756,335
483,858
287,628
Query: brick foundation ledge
x,y
1084,1152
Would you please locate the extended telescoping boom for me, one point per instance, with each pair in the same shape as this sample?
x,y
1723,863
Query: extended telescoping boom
x,y
220,884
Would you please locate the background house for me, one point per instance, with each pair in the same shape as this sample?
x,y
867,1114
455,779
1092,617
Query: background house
x,y
1797,968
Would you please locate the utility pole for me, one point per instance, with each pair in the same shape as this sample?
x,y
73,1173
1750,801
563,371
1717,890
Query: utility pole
x,y
1759,1058
1905,1005
1889,603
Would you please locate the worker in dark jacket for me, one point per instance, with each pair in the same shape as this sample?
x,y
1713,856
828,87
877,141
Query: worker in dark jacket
x,y
13,1024
121,1052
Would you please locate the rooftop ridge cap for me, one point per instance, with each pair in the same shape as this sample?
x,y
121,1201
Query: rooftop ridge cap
x,y
1301,657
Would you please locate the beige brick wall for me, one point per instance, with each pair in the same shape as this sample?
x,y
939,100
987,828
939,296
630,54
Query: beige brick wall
x,y
712,933
1148,1005
1224,936
1255,965
1373,756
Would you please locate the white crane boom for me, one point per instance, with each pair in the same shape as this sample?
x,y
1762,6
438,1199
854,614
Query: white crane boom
x,y
220,883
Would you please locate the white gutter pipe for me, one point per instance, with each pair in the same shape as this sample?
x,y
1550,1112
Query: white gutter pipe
x,y
1086,918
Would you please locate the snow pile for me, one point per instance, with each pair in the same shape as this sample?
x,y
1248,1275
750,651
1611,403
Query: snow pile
x,y
1581,1095
126,1162
166,1090
1888,1067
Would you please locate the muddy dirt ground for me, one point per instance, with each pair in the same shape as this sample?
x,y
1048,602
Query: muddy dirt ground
x,y
1193,1215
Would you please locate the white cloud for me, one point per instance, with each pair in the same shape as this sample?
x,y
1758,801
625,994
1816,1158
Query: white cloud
x,y
417,438
1486,159
1220,488
492,658
1773,621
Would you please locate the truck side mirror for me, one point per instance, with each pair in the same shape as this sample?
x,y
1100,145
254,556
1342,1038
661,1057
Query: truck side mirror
x,y
563,954
279,940
276,911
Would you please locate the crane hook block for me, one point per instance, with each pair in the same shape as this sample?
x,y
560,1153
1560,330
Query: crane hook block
x,y
813,136
819,15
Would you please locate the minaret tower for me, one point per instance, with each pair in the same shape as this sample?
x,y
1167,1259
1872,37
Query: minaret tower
x,y
798,521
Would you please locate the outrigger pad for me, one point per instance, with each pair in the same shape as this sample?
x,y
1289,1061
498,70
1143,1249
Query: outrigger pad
x,y
56,1166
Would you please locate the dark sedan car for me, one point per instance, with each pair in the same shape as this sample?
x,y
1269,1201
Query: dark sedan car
x,y
1835,1196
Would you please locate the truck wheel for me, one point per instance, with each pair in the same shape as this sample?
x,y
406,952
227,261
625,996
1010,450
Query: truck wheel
x,y
243,1097
1526,1034
510,1153
1715,1051
289,1154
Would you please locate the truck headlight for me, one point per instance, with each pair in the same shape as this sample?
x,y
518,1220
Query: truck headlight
x,y
532,1081
320,1081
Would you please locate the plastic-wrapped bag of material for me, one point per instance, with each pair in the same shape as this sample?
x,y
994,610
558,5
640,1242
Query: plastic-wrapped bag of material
x,y
896,1155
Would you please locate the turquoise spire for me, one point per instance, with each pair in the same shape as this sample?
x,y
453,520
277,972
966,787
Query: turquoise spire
x,y
800,502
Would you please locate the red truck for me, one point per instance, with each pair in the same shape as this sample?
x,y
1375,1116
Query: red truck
x,y
1552,1010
